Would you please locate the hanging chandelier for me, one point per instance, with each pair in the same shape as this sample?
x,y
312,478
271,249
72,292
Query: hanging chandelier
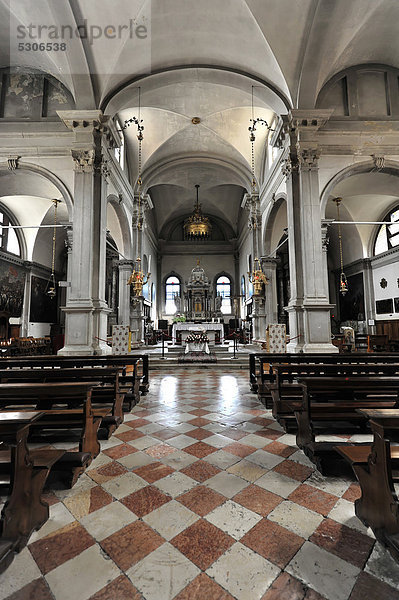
x,y
51,291
257,278
137,279
197,227
343,282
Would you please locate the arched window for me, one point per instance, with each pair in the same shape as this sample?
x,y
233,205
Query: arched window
x,y
8,238
243,289
223,289
388,235
119,151
172,288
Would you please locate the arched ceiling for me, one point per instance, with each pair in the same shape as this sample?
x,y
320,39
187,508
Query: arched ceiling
x,y
295,45
365,197
201,58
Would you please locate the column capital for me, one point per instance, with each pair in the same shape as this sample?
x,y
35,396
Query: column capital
x,y
84,160
308,157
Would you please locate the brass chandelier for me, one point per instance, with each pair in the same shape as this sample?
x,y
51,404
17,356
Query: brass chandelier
x,y
257,278
197,227
137,279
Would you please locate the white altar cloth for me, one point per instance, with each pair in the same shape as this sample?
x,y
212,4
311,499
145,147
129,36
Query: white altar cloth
x,y
187,328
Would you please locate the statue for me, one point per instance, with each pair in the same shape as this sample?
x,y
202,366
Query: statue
x,y
218,304
177,301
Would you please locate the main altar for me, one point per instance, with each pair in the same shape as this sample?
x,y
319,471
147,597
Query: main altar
x,y
199,308
198,296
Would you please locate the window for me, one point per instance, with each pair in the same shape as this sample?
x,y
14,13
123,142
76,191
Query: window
x,y
119,152
388,235
172,288
8,237
223,289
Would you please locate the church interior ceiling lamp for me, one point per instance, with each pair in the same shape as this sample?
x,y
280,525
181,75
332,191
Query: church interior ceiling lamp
x,y
343,282
197,227
257,278
51,285
137,279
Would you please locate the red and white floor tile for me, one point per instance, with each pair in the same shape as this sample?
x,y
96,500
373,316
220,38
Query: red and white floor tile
x,y
200,495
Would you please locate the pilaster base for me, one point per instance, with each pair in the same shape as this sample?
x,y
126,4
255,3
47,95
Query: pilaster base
x,y
85,330
310,330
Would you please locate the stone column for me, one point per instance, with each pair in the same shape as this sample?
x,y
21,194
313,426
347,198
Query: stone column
x,y
125,270
269,267
26,302
86,310
369,298
255,226
308,308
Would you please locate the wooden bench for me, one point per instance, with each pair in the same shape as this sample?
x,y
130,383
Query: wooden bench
x,y
261,365
286,392
107,390
329,405
134,368
376,467
23,474
49,398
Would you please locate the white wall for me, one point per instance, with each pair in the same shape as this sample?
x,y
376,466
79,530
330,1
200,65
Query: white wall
x,y
389,272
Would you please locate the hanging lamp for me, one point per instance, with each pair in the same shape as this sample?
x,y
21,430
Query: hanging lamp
x,y
343,282
197,227
51,284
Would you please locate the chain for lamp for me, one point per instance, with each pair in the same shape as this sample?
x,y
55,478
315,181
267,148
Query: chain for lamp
x,y
51,290
343,282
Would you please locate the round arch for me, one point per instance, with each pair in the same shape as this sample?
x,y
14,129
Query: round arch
x,y
46,174
270,221
124,222
20,236
390,167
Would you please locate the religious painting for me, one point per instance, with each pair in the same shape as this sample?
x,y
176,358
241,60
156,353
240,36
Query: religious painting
x,y
43,309
396,303
12,284
384,307
352,304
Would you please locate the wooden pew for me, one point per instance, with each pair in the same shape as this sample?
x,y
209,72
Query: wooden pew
x,y
107,390
376,467
261,365
134,368
330,404
86,420
286,392
23,474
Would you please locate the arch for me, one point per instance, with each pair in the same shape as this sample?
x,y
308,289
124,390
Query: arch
x,y
19,232
373,237
124,220
241,173
46,174
390,167
139,78
270,220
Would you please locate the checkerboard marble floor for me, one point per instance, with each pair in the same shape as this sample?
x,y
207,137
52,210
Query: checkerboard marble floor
x,y
200,495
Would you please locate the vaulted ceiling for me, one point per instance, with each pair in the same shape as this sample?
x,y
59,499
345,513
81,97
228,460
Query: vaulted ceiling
x,y
200,58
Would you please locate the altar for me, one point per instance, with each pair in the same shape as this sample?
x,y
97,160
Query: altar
x,y
209,328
